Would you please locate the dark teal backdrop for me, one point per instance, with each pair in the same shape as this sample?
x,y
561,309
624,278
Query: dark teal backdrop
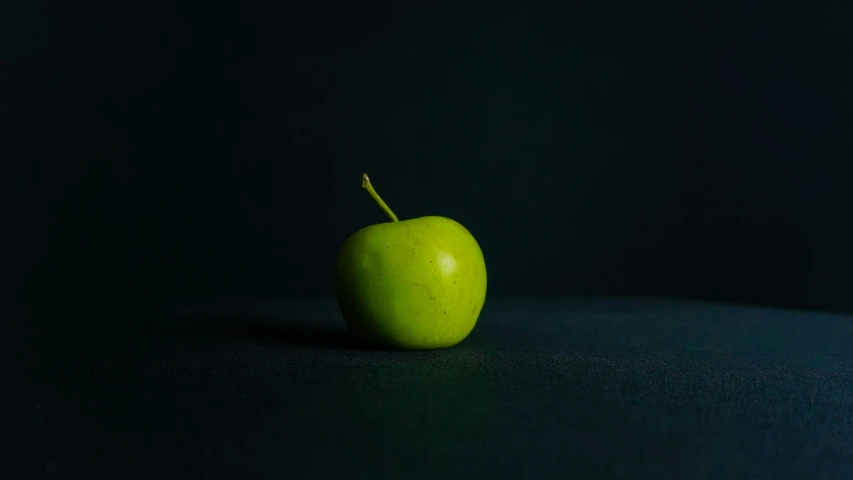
x,y
693,149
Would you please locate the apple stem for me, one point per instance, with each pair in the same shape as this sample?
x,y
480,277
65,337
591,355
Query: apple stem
x,y
365,183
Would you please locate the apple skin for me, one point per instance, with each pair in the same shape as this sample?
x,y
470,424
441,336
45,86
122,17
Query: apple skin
x,y
416,284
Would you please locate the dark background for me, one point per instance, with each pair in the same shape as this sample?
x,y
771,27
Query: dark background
x,y
210,154
689,149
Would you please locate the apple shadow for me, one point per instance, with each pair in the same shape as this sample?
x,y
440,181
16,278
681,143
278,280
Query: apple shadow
x,y
225,322
267,331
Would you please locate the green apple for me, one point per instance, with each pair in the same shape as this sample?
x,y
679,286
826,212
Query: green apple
x,y
415,284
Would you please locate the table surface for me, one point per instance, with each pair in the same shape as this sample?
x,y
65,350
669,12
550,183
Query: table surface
x,y
543,388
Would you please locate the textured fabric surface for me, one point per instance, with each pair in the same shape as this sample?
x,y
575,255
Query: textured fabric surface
x,y
541,389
